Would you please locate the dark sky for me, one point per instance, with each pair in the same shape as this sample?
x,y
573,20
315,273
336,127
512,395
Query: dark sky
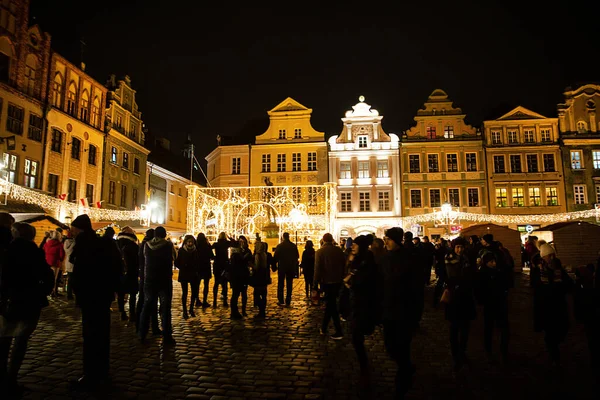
x,y
218,70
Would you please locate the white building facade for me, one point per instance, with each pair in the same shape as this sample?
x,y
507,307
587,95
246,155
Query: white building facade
x,y
364,163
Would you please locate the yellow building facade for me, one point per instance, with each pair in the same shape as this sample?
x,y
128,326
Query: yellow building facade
x,y
125,183
291,151
229,166
524,165
442,161
75,142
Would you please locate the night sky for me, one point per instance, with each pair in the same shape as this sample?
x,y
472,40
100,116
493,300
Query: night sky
x,y
218,70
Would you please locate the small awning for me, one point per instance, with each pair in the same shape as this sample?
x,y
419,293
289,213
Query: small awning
x,y
100,225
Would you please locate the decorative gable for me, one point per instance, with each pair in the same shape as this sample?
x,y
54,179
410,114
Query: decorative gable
x,y
288,105
520,113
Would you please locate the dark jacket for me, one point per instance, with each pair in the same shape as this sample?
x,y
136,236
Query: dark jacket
x,y
363,293
492,288
188,263
25,280
286,255
261,271
330,264
239,269
221,248
129,249
398,280
158,253
96,270
205,254
308,264
142,260
551,284
460,281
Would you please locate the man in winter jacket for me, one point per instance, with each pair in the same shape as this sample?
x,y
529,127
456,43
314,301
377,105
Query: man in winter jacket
x,y
158,283
286,255
128,248
95,281
140,304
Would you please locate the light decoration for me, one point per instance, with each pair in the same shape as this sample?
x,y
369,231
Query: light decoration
x,y
63,208
308,210
446,215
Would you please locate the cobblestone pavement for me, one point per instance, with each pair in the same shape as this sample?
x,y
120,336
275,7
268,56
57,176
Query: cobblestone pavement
x,y
284,357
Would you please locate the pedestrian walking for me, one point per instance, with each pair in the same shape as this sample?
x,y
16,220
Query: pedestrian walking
x,y
239,276
141,293
221,264
127,243
308,267
188,264
286,255
205,256
261,277
55,254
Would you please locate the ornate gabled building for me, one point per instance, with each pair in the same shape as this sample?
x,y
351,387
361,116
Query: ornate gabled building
x,y
524,164
364,163
24,60
124,184
580,135
442,161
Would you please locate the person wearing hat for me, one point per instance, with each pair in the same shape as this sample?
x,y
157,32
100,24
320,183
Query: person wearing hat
x,y
399,305
95,280
551,314
493,284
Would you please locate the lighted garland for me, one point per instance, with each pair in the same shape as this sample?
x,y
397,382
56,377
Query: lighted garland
x,y
56,205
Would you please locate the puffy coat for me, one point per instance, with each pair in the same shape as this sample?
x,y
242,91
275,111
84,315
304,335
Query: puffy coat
x,y
55,252
188,262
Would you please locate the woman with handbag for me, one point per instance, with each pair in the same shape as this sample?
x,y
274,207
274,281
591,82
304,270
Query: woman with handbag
x,y
25,282
459,297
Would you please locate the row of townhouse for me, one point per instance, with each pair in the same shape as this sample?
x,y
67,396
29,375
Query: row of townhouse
x,y
521,163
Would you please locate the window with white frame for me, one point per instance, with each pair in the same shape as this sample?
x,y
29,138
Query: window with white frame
x,y
312,161
473,197
382,169
452,162
448,131
296,162
551,196
596,158
414,163
501,197
579,194
362,142
499,166
10,165
532,163
576,159
529,136
113,155
282,134
546,135
266,163
433,164
518,198
384,201
454,197
345,170
364,201
363,169
513,137
535,198
471,159
496,137
281,162
549,165
435,197
31,172
345,201
415,198
236,164
597,194
298,133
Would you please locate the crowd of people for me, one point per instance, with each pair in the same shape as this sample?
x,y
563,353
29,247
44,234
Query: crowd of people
x,y
365,281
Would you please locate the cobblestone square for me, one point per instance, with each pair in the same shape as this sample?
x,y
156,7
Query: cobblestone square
x,y
284,357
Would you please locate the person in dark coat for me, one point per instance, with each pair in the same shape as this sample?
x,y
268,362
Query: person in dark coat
x,y
286,256
261,277
461,309
493,284
25,282
398,306
111,245
308,266
239,272
551,314
127,243
188,263
221,264
140,304
205,256
429,250
362,283
418,260
587,307
440,270
96,272
158,284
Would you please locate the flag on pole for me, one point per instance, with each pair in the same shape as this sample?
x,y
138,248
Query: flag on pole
x,y
99,204
62,196
84,202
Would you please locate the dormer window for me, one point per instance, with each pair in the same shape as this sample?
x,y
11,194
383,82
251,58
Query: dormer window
x,y
431,132
449,132
362,142
282,134
298,133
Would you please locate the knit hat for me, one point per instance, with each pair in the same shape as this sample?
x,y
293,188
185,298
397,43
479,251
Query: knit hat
x,y
82,222
362,241
546,250
488,237
487,257
396,234
459,241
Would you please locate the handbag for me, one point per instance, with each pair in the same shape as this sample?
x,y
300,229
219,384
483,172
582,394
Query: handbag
x,y
446,296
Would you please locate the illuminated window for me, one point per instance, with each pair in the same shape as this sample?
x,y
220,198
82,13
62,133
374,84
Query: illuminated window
x,y
431,132
449,132
549,165
384,201
433,164
364,201
452,162
10,164
266,163
515,163
30,172
579,194
363,169
415,198
123,196
529,136
546,135
382,169
296,162
518,197
362,142
75,148
435,197
125,160
414,163
576,159
532,163
297,133
236,165
312,161
535,198
346,201
471,159
112,188
551,196
454,197
496,137
596,158
113,155
473,197
501,197
281,162
513,137
282,134
345,170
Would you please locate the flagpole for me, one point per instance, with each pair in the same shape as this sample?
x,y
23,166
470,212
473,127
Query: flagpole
x,y
191,163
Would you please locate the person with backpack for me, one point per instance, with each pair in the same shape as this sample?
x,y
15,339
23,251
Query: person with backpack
x,y
25,282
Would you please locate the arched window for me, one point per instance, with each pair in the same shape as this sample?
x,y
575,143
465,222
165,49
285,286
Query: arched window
x,y
6,55
581,127
57,91
96,112
85,106
30,72
72,99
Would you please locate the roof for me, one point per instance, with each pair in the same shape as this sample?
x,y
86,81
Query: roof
x,y
560,225
20,207
489,225
31,218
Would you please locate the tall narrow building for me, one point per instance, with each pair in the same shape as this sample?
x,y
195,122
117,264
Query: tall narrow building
x,y
364,163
